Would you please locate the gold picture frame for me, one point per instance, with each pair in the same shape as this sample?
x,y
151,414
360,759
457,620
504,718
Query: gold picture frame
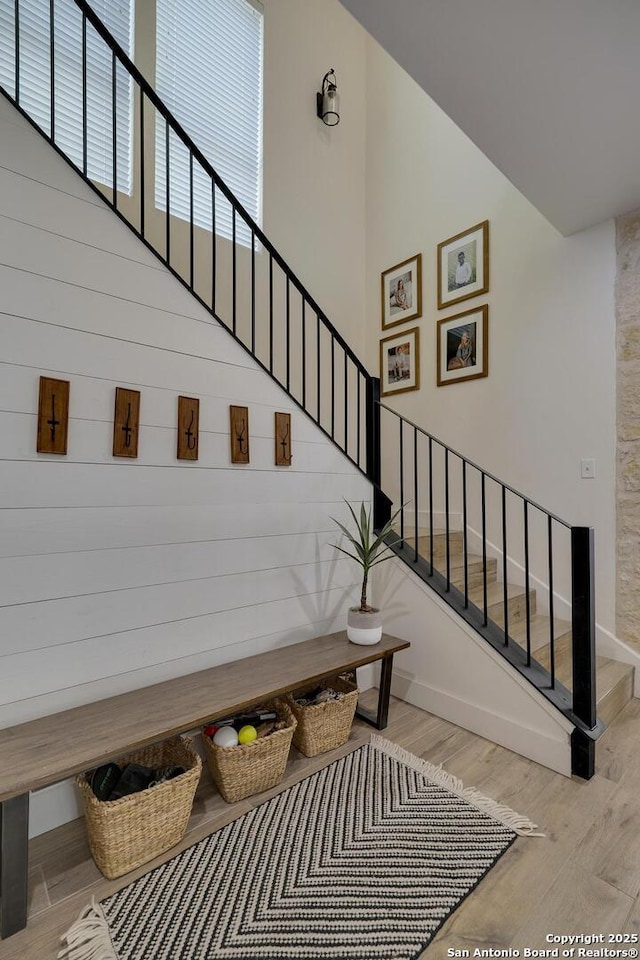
x,y
463,265
400,362
463,346
401,292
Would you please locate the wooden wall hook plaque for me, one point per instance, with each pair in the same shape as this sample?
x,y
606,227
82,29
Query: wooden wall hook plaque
x,y
283,439
53,415
188,428
239,426
126,423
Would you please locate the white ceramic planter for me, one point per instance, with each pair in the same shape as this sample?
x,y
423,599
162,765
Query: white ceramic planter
x,y
364,628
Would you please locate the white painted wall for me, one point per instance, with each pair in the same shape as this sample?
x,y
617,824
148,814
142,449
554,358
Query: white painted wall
x,y
314,176
549,399
487,696
114,573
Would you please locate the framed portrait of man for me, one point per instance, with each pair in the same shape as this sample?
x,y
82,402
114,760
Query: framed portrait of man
x,y
463,265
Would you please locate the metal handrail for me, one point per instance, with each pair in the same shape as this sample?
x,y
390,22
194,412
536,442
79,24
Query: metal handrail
x,y
470,463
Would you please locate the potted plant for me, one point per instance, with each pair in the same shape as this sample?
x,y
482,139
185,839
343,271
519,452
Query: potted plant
x,y
364,623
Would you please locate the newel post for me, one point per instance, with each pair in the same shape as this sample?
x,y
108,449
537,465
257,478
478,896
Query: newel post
x,y
583,629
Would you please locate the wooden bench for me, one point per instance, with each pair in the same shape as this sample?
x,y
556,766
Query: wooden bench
x,y
50,749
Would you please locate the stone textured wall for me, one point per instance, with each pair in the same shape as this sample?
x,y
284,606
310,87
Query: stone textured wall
x,y
628,416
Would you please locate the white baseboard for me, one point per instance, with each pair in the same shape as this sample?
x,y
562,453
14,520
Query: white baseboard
x,y
555,754
367,676
52,806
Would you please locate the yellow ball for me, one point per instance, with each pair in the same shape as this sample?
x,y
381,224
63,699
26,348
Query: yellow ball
x,y
247,734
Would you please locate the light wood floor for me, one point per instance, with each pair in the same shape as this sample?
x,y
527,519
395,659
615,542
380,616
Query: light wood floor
x,y
583,877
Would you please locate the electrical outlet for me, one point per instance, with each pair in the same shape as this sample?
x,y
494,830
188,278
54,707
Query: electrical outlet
x,y
587,469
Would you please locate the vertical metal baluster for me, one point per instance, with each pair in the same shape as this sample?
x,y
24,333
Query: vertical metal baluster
x,y
416,518
16,39
401,447
431,506
234,272
168,194
288,331
505,592
359,376
270,312
84,94
318,364
552,644
304,352
333,387
191,231
214,246
142,167
346,406
114,129
253,291
446,514
464,534
526,579
484,549
52,71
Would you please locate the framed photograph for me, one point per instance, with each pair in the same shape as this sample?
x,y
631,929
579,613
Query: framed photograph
x,y
463,265
400,362
402,292
463,346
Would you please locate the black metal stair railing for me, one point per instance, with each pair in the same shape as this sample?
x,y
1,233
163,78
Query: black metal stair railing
x,y
456,521
238,276
242,281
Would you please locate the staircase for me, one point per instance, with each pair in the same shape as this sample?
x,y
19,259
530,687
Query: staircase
x,y
247,286
614,679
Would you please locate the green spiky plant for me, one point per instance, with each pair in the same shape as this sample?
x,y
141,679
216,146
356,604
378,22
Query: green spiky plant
x,y
369,548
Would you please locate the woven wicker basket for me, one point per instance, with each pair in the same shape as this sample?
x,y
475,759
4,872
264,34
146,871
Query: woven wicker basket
x,y
249,768
125,833
324,726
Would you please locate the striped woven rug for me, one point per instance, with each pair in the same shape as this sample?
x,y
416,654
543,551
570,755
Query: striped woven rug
x,y
363,860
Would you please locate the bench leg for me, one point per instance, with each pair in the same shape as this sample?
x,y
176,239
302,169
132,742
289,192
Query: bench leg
x,y
380,718
14,864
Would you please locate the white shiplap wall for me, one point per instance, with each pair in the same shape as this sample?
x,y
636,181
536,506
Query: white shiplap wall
x,y
114,573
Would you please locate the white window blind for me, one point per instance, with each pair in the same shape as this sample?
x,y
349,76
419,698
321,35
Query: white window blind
x,y
34,92
209,74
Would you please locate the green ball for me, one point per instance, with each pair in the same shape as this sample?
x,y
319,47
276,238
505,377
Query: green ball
x,y
247,734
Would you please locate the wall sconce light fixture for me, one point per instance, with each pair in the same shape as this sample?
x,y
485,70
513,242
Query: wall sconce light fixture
x,y
328,100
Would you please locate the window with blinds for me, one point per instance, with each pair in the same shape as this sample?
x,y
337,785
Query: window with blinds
x,y
36,38
209,74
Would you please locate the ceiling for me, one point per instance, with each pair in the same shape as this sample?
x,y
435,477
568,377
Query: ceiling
x,y
547,89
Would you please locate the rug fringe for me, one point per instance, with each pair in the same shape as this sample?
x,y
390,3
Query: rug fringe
x,y
88,938
515,821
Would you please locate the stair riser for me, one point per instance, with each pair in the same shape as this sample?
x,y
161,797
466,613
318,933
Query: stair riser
x,y
517,608
475,577
562,652
610,705
439,545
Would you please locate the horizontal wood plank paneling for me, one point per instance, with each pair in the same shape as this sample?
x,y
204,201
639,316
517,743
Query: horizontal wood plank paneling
x,y
119,574
26,580
99,657
21,152
51,483
48,623
61,699
32,532
35,205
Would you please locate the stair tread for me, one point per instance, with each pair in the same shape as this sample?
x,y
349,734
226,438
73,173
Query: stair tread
x,y
456,560
539,632
495,593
